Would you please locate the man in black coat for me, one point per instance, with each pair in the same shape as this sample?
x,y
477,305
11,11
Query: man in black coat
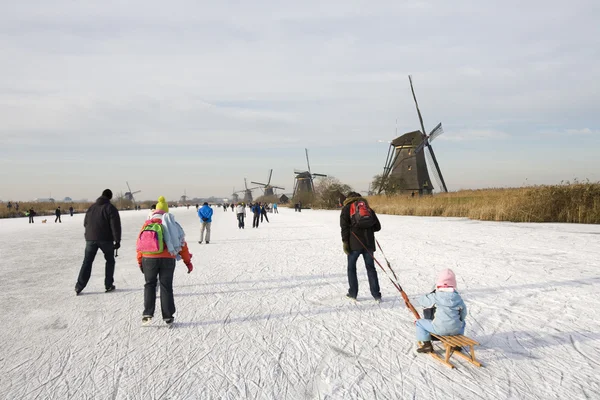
x,y
359,240
57,213
102,227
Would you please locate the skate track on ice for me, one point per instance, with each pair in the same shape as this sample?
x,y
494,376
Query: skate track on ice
x,y
263,315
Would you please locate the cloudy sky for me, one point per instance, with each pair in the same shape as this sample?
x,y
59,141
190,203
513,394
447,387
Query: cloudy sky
x,y
195,96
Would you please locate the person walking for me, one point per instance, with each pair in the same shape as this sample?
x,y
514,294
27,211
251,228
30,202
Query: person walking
x,y
159,266
358,224
263,212
102,225
71,211
240,210
57,213
31,214
256,211
275,211
205,213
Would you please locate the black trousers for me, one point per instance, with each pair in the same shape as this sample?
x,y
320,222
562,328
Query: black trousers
x,y
91,248
31,219
255,220
159,270
57,219
264,215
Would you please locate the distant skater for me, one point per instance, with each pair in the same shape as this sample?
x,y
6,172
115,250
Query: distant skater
x,y
205,213
263,213
256,212
31,214
71,210
240,210
275,208
57,213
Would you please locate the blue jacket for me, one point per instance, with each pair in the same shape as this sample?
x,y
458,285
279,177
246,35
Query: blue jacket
x,y
205,213
450,312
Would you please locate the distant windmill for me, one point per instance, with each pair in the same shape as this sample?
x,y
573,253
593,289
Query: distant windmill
x,y
304,179
267,187
183,198
406,158
247,192
129,195
234,196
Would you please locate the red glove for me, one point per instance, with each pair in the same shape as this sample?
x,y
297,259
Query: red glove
x,y
190,267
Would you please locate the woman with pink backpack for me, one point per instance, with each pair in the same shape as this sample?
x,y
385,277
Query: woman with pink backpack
x,y
161,243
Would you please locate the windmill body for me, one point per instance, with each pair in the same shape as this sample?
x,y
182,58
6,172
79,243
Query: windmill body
x,y
409,168
406,164
304,180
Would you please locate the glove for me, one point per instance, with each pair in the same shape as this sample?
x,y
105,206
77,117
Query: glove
x,y
190,267
346,248
117,245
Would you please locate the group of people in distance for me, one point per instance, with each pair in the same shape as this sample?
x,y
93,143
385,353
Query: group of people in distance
x,y
358,223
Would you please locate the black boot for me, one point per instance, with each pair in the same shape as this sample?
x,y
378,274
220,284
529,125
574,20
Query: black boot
x,y
426,348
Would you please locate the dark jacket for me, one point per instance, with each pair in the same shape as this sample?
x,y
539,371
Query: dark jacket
x,y
102,221
367,236
57,212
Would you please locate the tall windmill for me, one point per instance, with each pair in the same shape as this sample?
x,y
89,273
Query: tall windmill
x,y
129,195
247,192
304,179
405,161
267,187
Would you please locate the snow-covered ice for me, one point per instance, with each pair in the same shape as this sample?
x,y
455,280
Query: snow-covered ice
x,y
264,314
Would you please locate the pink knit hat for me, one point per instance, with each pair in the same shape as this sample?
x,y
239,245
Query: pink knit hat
x,y
446,278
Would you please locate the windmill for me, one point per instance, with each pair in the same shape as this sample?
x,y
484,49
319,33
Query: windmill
x,y
304,179
406,156
247,192
183,198
268,189
234,196
129,195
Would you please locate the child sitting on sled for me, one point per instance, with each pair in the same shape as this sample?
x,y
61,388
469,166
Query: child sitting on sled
x,y
449,314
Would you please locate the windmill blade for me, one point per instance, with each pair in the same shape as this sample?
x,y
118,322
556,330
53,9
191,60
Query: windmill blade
x,y
258,183
245,184
423,143
137,191
128,186
319,175
307,162
437,131
270,174
277,187
417,105
437,171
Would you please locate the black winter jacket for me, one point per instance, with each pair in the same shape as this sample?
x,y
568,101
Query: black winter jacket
x,y
102,221
367,236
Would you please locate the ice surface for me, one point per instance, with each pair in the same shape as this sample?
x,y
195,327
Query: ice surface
x,y
264,314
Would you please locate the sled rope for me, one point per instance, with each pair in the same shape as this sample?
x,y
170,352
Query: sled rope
x,y
394,282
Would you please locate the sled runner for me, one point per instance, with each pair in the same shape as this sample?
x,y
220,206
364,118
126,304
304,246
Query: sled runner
x,y
456,341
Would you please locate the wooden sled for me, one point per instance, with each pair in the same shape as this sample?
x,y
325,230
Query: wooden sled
x,y
458,341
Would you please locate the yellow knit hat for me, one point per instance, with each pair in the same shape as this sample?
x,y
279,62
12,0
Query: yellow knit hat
x,y
162,204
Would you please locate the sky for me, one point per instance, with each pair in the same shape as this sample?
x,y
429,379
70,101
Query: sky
x,y
196,96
